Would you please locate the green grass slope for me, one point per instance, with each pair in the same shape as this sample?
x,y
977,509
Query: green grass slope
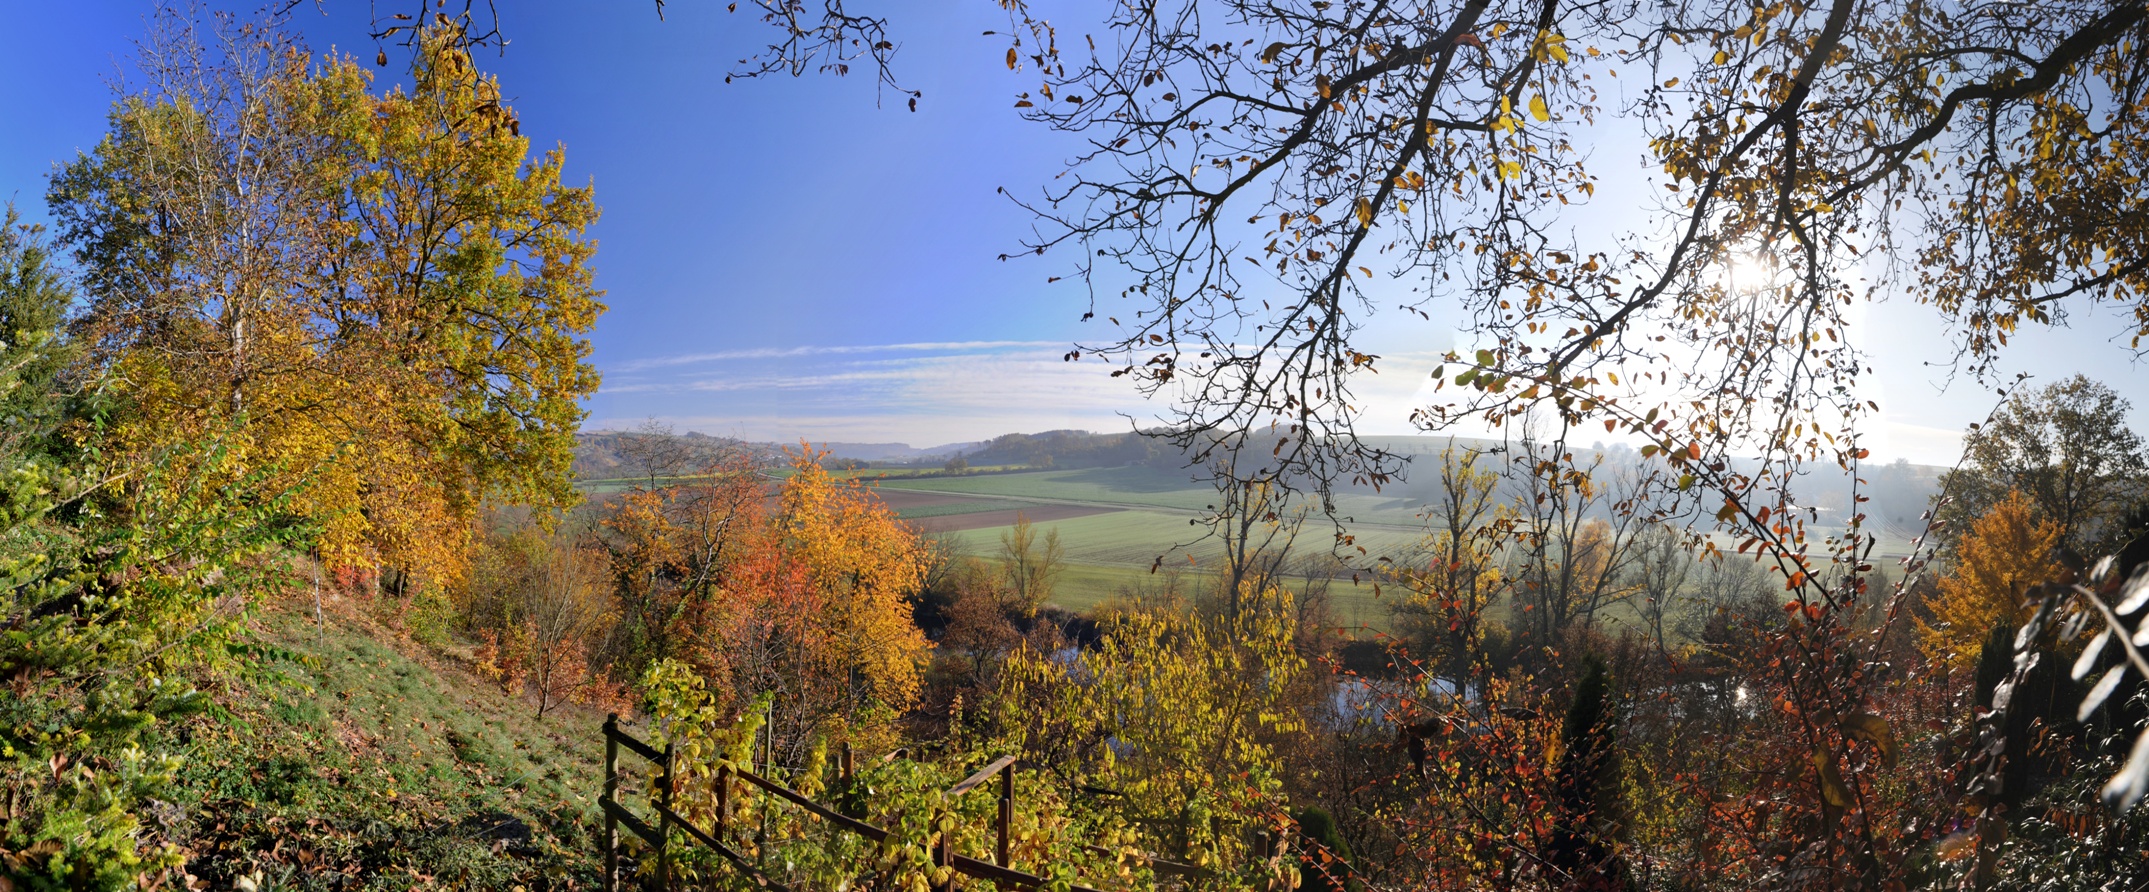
x,y
349,763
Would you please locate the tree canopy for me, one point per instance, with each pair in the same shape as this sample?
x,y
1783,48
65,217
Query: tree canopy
x,y
2067,448
386,286
1251,171
2005,554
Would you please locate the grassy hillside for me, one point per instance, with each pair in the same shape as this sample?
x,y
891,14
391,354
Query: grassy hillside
x,y
347,763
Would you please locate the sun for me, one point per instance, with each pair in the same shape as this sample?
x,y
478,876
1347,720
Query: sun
x,y
1745,270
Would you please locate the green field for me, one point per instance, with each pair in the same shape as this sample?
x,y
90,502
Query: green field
x,y
608,485
1142,487
953,509
1113,552
1136,538
1134,486
900,473
1081,587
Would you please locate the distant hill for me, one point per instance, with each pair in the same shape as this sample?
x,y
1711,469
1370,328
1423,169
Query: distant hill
x,y
902,452
608,454
1069,449
605,454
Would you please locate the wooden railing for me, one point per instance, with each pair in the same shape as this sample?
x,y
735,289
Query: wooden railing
x,y
658,838
1000,871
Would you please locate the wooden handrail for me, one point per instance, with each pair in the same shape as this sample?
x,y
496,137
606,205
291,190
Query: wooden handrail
x,y
1160,865
612,732
622,815
1001,873
983,774
838,818
730,854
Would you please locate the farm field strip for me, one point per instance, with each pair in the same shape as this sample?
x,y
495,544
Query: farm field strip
x,y
949,509
1109,553
1136,538
1083,587
1148,489
1120,487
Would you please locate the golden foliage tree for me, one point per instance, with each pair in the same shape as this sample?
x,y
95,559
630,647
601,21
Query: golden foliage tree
x,y
383,292
2005,553
672,547
864,564
1182,716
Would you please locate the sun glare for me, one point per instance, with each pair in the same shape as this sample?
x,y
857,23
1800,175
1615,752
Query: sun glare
x,y
1745,269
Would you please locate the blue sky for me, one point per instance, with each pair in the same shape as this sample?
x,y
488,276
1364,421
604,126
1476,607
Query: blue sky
x,y
785,259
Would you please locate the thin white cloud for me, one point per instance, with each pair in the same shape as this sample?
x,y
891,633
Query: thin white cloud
x,y
826,350
957,391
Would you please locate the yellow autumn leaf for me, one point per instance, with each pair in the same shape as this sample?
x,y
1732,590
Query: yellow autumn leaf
x,y
1874,730
1833,790
1539,110
1365,212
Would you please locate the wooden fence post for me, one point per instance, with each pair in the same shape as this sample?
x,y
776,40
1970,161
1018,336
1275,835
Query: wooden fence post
x,y
1007,811
611,791
944,856
723,799
664,821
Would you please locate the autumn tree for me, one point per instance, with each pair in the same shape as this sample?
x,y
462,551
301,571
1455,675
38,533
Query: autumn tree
x,y
866,563
1448,598
1575,532
656,452
1254,523
1028,566
539,606
671,546
980,627
386,287
814,611
1180,715
2005,553
2067,448
1662,565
